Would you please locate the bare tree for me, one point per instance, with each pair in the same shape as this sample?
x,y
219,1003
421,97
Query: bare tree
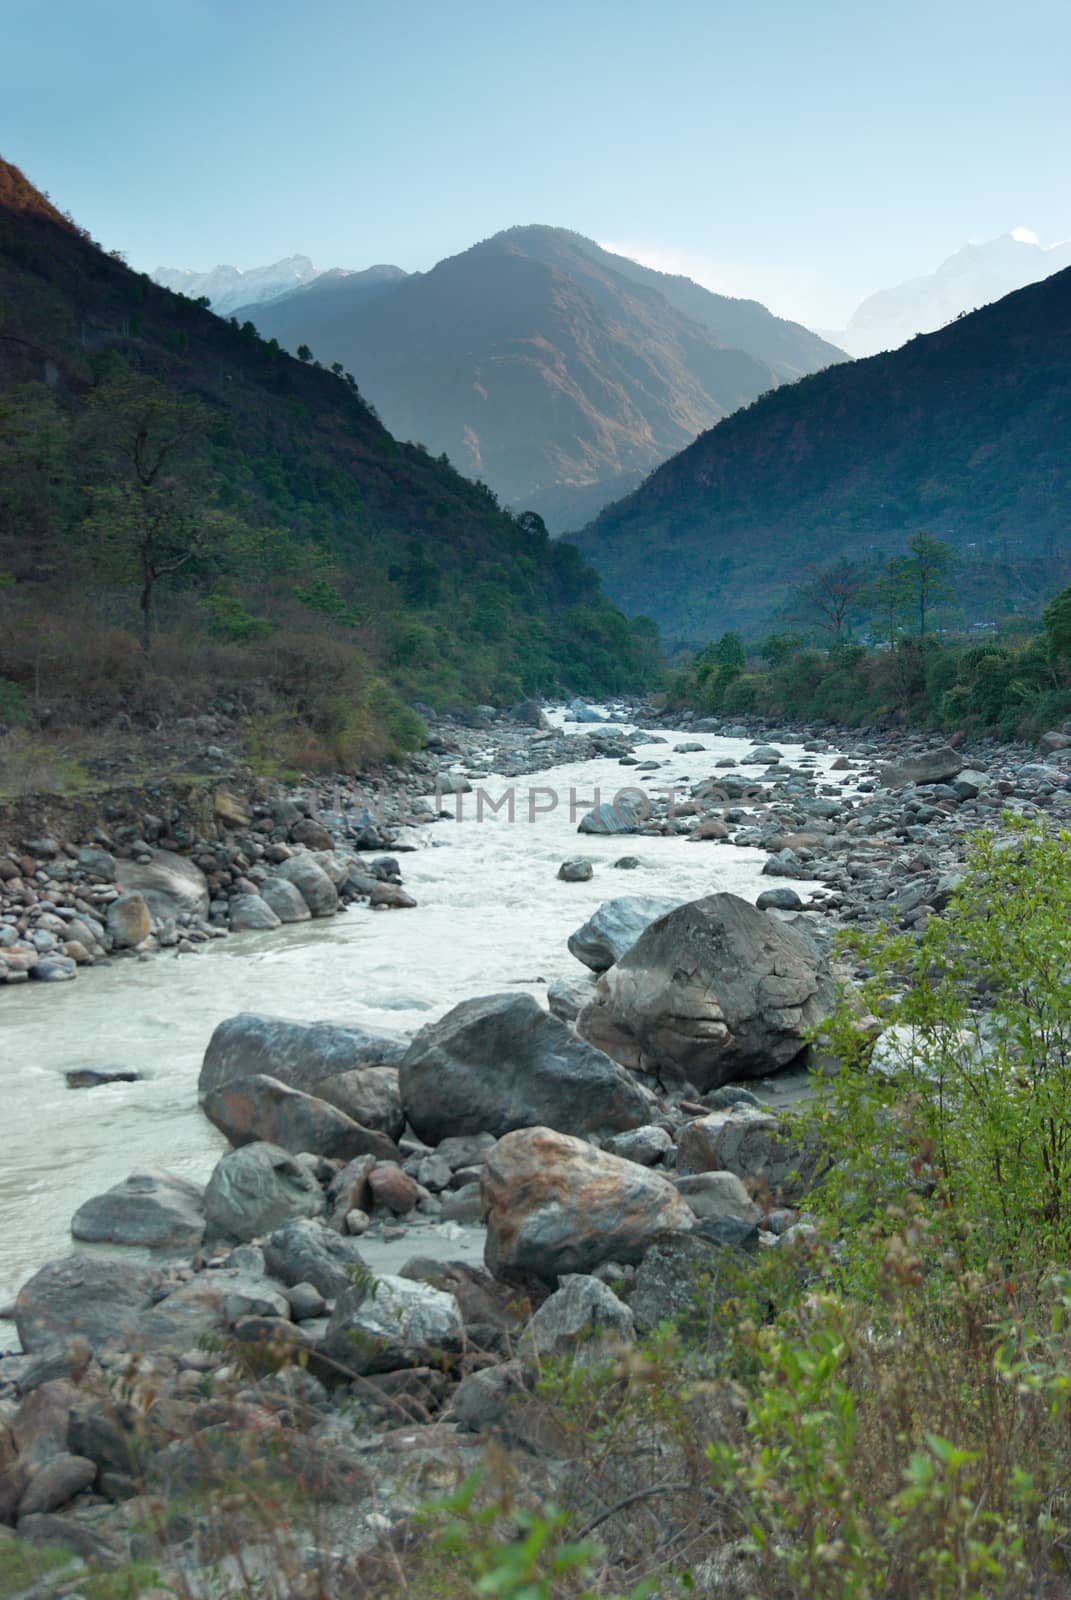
x,y
831,596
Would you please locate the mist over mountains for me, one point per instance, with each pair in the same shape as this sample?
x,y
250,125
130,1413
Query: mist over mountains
x,y
974,276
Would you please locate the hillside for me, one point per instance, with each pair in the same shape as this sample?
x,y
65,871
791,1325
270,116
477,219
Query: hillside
x,y
557,373
964,432
299,315
167,474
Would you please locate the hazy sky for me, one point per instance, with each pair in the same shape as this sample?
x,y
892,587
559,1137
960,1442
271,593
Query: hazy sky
x,y
802,151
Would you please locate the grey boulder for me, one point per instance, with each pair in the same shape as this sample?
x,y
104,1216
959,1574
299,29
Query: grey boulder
x,y
250,913
262,1108
612,930
300,1054
152,1208
934,766
171,884
312,883
256,1189
501,1062
304,1251
713,992
99,1299
285,899
577,1319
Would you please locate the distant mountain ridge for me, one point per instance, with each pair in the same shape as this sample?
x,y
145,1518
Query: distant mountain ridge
x,y
556,372
229,287
965,432
974,276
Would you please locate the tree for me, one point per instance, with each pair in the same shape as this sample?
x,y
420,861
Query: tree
x,y
888,599
927,568
149,514
831,596
304,353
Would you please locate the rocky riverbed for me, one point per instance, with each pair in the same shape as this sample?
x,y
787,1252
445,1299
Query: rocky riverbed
x,y
419,1214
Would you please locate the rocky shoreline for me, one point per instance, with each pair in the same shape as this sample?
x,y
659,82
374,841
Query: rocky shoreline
x,y
613,1147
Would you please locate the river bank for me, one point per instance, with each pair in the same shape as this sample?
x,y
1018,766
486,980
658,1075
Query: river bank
x,y
819,834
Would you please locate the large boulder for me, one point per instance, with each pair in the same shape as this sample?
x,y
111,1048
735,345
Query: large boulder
x,y
262,1108
300,1054
934,766
612,930
623,815
285,899
682,1279
207,1305
256,1189
154,1209
171,884
576,1319
713,992
501,1062
556,1205
382,1324
99,1299
251,913
312,883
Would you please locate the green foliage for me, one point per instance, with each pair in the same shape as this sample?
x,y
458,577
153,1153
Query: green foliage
x,y
15,710
977,1109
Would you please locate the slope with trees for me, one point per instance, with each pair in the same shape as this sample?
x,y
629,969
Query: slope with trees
x,y
964,432
188,513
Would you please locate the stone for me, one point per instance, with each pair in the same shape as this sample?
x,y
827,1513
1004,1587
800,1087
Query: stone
x,y
263,1109
555,1205
578,869
170,884
935,766
129,921
301,1054
285,899
393,1322
623,816
305,1251
681,1278
312,834
93,1077
1052,741
709,828
529,714
578,1319
98,1299
715,991
715,1195
391,897
370,1095
256,1189
755,1148
612,930
97,864
249,913
783,899
645,1145
207,1305
567,997
393,1188
312,883
54,969
306,1302
152,1208
487,1398
501,1062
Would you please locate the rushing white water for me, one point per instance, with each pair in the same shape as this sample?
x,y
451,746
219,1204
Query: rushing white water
x,y
491,915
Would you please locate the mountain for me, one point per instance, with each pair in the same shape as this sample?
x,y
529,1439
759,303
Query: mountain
x,y
300,314
964,432
228,288
556,372
166,474
973,277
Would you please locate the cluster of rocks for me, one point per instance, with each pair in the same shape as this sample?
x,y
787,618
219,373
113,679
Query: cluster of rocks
x,y
607,1180
881,836
63,906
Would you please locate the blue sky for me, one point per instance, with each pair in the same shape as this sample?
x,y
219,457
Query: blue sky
x,y
804,151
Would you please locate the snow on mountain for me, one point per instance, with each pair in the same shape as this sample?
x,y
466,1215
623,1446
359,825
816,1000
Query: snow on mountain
x,y
974,276
229,287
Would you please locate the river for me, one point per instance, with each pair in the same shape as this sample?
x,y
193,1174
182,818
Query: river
x,y
491,915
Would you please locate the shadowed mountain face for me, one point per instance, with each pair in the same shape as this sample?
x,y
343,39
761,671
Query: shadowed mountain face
x,y
338,532
556,372
964,432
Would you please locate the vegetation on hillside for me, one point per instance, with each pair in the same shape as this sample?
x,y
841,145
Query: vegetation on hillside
x,y
962,431
1016,683
187,515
